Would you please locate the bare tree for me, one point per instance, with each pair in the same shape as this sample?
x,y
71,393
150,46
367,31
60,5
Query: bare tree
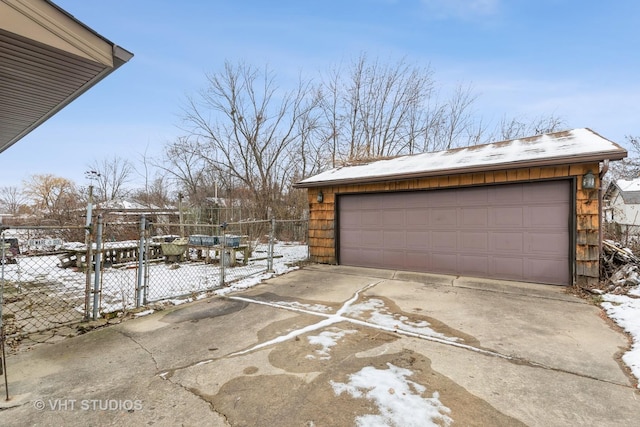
x,y
254,127
154,194
111,176
372,111
514,128
628,168
185,165
53,198
377,110
247,137
11,199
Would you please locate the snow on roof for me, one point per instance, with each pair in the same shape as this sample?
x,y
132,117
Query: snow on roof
x,y
573,146
121,204
628,185
629,190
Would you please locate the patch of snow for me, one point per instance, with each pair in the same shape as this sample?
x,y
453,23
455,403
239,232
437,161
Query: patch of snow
x,y
320,308
376,312
297,332
327,339
144,313
400,401
625,311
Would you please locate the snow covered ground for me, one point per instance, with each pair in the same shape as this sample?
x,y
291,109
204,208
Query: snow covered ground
x,y
399,400
625,311
174,283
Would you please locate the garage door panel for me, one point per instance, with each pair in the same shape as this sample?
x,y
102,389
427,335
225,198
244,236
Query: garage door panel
x,y
443,217
475,264
506,195
417,260
394,239
444,240
440,198
548,192
507,217
349,218
419,240
369,203
351,238
418,217
394,218
370,218
472,196
473,241
394,259
474,217
546,243
548,216
371,238
509,231
507,242
415,200
365,257
508,267
548,270
444,262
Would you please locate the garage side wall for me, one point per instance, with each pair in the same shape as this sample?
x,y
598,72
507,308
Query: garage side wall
x,y
322,218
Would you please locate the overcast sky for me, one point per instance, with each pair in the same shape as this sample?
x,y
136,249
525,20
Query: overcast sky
x,y
576,59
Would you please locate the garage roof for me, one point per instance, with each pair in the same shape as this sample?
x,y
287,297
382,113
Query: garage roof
x,y
559,148
47,59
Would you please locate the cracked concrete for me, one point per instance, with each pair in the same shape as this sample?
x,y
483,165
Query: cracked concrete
x,y
497,353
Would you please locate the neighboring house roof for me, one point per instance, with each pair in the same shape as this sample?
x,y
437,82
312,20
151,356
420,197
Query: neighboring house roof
x,y
129,207
559,148
122,204
629,190
47,59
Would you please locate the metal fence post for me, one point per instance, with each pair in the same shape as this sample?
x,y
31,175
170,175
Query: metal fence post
x,y
88,243
140,262
270,247
223,250
3,356
145,297
97,269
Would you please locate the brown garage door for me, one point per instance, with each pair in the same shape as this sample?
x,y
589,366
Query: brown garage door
x,y
511,231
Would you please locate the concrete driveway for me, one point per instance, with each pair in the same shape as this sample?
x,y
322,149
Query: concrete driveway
x,y
339,346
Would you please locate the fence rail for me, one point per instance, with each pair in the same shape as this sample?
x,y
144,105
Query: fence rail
x,y
123,266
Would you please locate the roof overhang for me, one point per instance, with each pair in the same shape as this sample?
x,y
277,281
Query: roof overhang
x,y
554,149
47,59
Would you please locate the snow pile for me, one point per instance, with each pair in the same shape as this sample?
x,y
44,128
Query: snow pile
x,y
399,400
625,311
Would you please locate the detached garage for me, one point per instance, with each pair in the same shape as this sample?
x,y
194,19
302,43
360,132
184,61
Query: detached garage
x,y
513,210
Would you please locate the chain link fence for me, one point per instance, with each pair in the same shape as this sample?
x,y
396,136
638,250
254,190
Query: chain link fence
x,y
48,280
35,294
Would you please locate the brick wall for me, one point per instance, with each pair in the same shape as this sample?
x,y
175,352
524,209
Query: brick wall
x,y
322,232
